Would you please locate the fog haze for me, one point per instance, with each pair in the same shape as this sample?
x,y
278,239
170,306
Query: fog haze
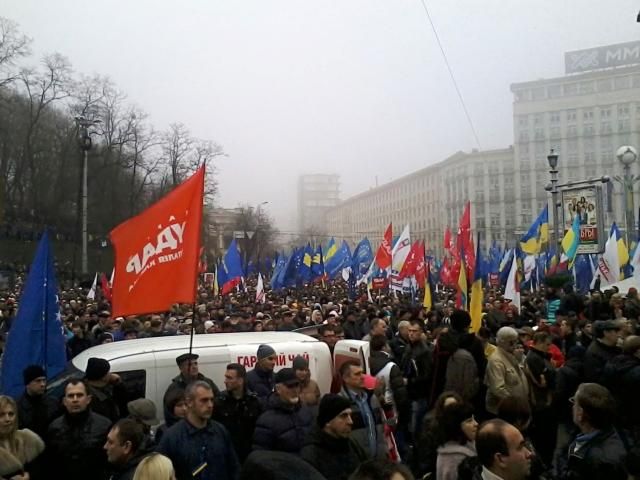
x,y
353,87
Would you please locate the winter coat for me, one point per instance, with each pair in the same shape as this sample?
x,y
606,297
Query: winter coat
x,y
450,456
30,447
568,379
417,368
398,346
282,426
261,382
37,412
335,458
75,445
538,364
504,378
621,375
377,362
189,447
359,431
270,465
109,400
462,374
239,416
597,356
353,330
601,457
310,394
126,471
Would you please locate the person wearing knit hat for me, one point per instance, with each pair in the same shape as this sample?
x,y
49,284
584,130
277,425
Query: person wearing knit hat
x,y
35,409
329,447
309,390
106,389
260,380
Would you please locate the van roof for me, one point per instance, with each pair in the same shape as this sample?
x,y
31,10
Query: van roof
x,y
180,343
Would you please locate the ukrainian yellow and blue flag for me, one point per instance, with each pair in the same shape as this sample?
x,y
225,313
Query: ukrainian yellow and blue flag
x,y
623,252
477,295
537,235
571,241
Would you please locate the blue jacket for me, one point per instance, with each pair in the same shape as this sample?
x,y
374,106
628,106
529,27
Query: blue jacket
x,y
283,427
189,448
260,382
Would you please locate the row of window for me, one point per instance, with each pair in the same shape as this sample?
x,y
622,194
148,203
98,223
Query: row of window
x,y
586,87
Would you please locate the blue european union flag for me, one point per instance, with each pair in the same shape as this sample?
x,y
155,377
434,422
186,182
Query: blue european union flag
x,y
36,335
362,258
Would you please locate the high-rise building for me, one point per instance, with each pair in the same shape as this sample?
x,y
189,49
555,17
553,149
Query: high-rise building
x,y
585,116
317,194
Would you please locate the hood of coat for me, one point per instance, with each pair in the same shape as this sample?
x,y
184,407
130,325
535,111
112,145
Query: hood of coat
x,y
454,448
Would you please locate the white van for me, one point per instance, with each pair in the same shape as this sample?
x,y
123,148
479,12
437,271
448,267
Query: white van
x,y
147,365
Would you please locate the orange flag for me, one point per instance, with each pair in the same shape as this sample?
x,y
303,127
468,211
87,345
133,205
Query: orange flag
x,y
157,252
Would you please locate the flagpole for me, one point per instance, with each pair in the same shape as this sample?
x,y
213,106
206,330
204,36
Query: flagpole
x,y
44,309
197,272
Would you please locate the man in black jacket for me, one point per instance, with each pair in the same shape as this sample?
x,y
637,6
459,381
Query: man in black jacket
x,y
237,409
189,372
260,379
107,391
286,422
417,367
125,449
75,440
601,350
598,451
35,409
329,447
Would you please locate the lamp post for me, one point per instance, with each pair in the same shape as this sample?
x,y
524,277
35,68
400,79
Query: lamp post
x,y
627,155
552,159
84,140
255,235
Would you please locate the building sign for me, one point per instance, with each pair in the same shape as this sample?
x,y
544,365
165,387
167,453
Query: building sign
x,y
602,57
586,203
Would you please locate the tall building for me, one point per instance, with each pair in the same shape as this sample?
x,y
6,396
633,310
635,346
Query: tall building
x,y
317,194
585,116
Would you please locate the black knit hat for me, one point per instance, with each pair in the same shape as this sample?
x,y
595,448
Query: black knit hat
x,y
32,372
265,351
97,368
330,407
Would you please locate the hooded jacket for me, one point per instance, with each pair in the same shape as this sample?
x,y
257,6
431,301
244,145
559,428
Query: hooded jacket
x,y
335,458
601,457
283,426
450,456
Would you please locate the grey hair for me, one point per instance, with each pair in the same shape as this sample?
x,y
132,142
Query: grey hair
x,y
505,334
404,324
190,391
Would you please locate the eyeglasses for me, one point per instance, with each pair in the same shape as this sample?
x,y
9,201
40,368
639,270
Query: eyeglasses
x,y
572,400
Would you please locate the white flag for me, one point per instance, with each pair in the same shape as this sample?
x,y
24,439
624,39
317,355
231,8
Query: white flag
x,y
399,254
260,294
635,261
609,265
92,293
113,272
512,290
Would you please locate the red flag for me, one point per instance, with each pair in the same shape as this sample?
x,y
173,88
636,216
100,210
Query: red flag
x,y
202,263
445,272
157,252
411,262
447,239
463,240
383,255
106,288
421,267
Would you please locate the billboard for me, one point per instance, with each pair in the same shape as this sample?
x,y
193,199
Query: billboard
x,y
602,57
586,203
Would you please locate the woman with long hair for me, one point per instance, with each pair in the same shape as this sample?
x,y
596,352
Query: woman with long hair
x,y
155,467
458,429
19,449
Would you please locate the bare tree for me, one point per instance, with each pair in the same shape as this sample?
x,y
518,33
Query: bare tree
x,y
13,46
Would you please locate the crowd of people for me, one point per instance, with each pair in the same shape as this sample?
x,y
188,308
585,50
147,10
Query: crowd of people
x,y
544,391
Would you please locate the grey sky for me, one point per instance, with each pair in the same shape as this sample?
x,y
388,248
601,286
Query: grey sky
x,y
355,87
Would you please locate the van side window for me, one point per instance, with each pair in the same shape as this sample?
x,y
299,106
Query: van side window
x,y
135,382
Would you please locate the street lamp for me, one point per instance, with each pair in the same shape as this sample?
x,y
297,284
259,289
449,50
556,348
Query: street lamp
x,y
84,141
552,159
627,155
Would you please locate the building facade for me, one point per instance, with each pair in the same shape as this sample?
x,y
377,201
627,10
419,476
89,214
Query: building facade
x,y
317,194
584,116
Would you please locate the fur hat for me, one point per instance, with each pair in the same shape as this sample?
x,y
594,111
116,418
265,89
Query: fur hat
x,y
96,368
